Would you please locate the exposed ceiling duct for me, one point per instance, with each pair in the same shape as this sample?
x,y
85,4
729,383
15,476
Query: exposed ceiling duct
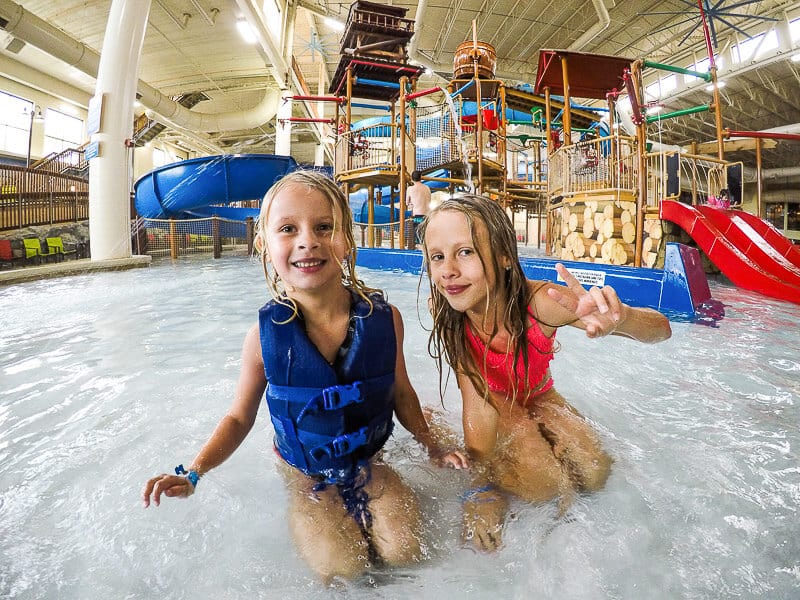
x,y
604,20
37,32
781,196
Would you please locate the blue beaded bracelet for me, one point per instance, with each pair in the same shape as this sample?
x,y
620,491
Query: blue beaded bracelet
x,y
192,476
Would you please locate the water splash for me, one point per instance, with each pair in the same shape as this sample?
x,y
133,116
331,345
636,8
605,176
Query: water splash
x,y
462,143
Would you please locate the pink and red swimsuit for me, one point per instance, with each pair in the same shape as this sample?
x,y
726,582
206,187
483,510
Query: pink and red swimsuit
x,y
499,366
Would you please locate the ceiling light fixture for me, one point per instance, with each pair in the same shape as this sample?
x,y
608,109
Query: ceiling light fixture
x,y
720,85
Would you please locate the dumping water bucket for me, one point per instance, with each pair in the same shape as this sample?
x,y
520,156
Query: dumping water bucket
x,y
462,61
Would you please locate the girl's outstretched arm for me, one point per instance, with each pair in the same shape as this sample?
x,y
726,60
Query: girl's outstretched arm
x,y
599,311
229,433
409,411
484,507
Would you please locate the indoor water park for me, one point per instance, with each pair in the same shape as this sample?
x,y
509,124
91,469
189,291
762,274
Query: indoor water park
x,y
649,149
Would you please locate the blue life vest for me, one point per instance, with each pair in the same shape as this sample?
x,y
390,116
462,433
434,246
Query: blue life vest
x,y
327,423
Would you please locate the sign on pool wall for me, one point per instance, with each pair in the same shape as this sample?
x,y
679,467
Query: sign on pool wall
x,y
588,278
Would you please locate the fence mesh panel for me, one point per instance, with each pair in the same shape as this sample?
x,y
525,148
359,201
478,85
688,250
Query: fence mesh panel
x,y
165,237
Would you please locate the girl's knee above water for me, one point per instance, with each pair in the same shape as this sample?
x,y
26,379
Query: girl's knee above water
x,y
326,352
496,329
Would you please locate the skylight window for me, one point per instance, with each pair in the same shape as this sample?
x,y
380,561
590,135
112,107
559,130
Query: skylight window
x,y
770,43
660,88
794,29
755,47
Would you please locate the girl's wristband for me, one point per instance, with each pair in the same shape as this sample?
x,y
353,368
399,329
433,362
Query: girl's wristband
x,y
192,476
470,495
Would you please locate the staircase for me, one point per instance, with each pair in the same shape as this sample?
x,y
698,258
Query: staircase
x,y
71,161
146,129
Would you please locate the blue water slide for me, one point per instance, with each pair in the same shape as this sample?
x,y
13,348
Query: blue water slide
x,y
189,188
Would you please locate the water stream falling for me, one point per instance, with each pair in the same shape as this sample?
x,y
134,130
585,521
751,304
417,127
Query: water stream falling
x,y
462,143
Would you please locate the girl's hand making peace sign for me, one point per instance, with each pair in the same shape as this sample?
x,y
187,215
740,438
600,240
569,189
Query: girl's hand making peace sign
x,y
599,309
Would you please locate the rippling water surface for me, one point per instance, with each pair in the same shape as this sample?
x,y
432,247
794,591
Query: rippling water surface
x,y
110,378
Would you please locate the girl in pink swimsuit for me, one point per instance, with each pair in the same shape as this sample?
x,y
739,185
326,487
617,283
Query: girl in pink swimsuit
x,y
496,330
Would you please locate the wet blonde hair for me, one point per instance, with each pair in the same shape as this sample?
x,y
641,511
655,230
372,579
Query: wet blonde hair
x,y
447,339
342,221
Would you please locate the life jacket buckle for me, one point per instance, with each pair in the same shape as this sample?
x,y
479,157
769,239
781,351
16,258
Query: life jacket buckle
x,y
344,444
337,396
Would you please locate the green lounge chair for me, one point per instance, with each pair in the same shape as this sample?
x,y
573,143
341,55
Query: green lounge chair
x,y
33,250
55,245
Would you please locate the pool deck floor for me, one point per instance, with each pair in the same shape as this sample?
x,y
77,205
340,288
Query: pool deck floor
x,y
72,267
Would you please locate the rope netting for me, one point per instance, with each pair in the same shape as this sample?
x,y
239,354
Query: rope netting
x,y
437,138
215,235
383,235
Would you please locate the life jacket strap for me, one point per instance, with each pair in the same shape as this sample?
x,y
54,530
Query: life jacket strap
x,y
345,444
333,397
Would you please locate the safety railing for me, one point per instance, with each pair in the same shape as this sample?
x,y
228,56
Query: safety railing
x,y
602,164
438,142
690,178
71,161
35,197
526,168
174,238
366,18
370,147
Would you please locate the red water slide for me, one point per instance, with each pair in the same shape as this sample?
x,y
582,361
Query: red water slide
x,y
740,266
774,238
751,244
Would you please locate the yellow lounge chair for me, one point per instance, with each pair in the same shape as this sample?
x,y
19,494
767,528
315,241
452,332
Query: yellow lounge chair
x,y
55,245
33,250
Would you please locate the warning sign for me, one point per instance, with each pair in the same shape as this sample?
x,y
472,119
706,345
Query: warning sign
x,y
588,278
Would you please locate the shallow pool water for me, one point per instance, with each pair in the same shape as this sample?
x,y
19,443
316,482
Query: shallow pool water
x,y
110,378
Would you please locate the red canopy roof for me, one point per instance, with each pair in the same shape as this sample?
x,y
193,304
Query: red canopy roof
x,y
590,75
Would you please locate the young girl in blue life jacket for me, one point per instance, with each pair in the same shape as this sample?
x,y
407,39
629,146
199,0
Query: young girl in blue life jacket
x,y
328,352
496,330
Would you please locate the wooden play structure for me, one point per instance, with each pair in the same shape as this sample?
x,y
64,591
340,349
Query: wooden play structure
x,y
456,136
607,196
604,190
373,66
613,199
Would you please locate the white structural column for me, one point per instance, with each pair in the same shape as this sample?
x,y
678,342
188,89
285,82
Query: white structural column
x,y
283,128
109,174
319,153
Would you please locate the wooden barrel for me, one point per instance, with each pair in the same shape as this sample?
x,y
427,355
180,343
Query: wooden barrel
x,y
462,61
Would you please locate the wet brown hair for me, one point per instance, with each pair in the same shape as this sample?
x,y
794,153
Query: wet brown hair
x,y
447,339
342,221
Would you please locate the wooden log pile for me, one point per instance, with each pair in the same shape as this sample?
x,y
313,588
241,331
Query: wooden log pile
x,y
652,246
604,231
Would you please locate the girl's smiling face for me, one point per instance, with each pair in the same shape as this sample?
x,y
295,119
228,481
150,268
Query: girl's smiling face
x,y
304,240
454,261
